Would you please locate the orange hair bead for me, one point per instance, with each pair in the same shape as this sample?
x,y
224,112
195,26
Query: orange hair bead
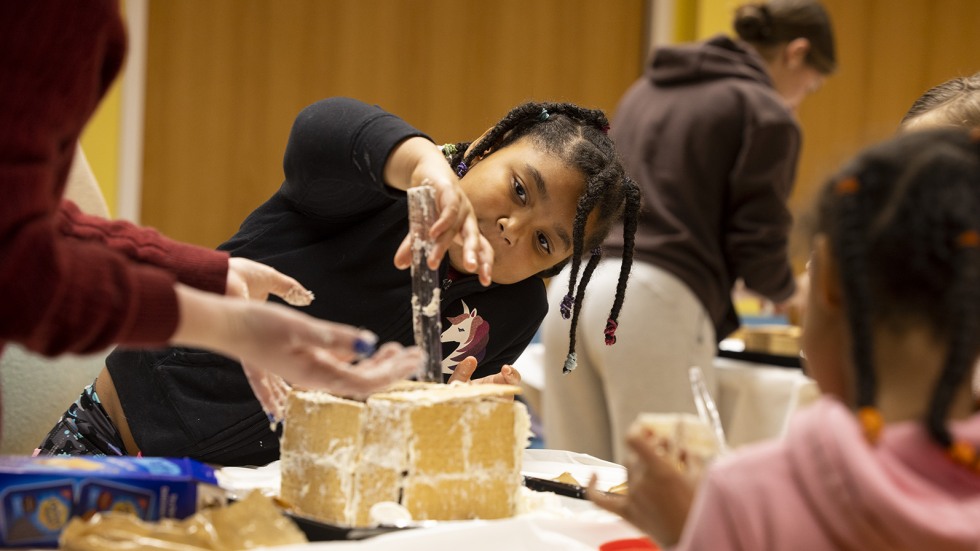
x,y
963,453
872,423
968,239
847,186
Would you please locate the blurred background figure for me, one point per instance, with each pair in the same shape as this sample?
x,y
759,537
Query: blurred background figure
x,y
710,135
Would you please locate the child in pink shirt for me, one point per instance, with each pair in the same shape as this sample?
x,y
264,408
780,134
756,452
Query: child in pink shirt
x,y
888,458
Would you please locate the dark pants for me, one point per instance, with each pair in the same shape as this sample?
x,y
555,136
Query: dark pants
x,y
85,429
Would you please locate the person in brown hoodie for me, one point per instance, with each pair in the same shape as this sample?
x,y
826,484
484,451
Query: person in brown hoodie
x,y
709,134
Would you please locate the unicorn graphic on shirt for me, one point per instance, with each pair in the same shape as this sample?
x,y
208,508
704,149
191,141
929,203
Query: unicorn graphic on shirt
x,y
470,332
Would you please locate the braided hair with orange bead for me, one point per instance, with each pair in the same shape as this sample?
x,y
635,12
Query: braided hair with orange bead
x,y
578,136
903,222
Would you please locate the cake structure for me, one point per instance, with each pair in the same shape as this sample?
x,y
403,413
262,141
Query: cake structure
x,y
444,452
689,443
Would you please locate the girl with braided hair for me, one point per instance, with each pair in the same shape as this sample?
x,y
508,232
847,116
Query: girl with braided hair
x,y
539,188
888,457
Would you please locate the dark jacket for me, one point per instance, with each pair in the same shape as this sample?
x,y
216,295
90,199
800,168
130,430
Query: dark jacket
x,y
714,150
334,226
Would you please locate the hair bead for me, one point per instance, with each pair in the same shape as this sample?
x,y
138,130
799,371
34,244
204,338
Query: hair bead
x,y
610,332
963,453
847,186
571,362
566,306
462,169
543,116
968,239
871,422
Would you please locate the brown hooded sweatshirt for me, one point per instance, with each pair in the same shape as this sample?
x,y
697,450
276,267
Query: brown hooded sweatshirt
x,y
714,151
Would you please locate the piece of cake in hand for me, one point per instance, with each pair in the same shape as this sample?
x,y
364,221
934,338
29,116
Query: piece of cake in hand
x,y
444,452
687,442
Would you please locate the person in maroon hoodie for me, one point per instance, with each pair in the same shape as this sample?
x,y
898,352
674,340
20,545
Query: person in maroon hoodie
x,y
710,136
72,283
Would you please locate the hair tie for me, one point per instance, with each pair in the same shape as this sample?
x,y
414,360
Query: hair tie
x,y
968,239
461,169
610,331
566,306
765,31
543,116
449,149
871,422
963,453
605,129
571,362
847,186
597,251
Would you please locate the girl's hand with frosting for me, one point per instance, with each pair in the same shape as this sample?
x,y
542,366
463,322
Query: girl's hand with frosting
x,y
417,162
464,370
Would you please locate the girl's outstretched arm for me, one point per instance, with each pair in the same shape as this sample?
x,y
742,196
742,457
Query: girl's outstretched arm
x,y
418,162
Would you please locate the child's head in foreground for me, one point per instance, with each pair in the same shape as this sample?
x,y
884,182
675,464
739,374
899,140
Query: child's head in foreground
x,y
954,103
896,266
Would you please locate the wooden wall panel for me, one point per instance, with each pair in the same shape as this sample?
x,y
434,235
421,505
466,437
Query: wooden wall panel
x,y
890,51
226,77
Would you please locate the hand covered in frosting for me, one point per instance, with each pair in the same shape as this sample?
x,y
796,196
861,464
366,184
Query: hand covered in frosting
x,y
253,280
457,221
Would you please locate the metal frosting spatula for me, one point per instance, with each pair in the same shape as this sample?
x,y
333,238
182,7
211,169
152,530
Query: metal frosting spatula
x,y
425,282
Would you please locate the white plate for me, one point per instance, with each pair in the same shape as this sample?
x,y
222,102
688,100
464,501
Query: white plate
x,y
550,464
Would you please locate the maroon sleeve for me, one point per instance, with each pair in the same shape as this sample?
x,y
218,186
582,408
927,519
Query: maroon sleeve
x,y
199,267
59,294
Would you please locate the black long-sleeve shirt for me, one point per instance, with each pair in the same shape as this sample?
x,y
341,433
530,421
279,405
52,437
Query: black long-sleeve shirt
x,y
334,225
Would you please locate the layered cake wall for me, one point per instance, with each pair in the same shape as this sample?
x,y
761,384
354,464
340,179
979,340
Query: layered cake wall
x,y
445,452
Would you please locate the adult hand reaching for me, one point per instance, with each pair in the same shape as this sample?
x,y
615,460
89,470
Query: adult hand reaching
x,y
254,280
272,390
304,351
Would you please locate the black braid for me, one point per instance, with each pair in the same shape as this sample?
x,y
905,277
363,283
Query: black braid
x,y
590,267
578,136
963,300
849,242
630,216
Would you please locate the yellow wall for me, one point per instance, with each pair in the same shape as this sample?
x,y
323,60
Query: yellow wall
x,y
100,141
714,16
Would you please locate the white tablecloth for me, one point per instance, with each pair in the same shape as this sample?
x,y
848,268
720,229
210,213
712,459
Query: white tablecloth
x,y
552,522
755,401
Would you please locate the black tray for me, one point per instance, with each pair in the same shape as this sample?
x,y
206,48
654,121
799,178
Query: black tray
x,y
316,530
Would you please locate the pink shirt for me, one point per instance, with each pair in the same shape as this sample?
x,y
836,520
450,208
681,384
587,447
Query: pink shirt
x,y
824,488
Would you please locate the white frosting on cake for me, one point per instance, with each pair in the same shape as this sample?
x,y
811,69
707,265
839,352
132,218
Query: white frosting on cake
x,y
450,451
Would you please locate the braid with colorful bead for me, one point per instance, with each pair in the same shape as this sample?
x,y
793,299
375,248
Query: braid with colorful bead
x,y
904,223
579,137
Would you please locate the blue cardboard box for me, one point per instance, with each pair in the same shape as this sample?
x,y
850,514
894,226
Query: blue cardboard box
x,y
39,495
